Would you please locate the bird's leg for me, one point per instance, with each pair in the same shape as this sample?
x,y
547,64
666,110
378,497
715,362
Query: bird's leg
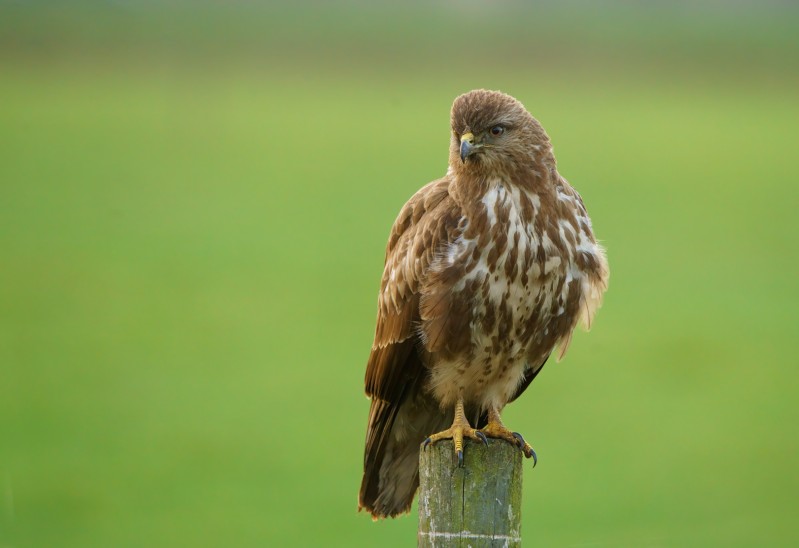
x,y
460,429
495,429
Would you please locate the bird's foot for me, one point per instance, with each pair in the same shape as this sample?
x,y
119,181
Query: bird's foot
x,y
459,430
457,433
497,430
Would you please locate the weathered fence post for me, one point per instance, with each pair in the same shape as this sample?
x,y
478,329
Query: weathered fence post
x,y
478,505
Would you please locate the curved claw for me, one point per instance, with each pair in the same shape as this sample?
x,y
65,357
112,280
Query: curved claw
x,y
460,458
425,443
482,437
528,450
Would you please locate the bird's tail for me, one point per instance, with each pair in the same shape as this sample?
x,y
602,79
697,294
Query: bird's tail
x,y
391,458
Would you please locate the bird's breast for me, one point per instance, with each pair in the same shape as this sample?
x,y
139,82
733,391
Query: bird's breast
x,y
523,291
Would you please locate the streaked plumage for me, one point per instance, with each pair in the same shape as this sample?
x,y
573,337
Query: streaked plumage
x,y
487,271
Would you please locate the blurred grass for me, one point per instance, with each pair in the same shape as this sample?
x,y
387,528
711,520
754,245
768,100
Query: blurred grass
x,y
193,209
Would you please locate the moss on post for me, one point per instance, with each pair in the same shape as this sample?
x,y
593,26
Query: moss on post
x,y
478,505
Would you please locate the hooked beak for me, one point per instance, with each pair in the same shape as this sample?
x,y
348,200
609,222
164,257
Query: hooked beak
x,y
467,145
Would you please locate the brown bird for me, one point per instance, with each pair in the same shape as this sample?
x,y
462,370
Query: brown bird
x,y
487,271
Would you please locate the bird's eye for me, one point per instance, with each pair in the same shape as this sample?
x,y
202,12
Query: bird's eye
x,y
496,131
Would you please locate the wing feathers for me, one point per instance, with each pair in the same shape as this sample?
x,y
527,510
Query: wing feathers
x,y
395,369
421,228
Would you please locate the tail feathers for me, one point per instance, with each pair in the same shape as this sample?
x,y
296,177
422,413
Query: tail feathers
x,y
391,459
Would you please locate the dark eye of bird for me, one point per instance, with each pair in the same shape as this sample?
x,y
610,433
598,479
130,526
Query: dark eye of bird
x,y
496,131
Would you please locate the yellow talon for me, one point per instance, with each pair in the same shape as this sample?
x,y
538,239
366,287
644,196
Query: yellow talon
x,y
459,430
495,429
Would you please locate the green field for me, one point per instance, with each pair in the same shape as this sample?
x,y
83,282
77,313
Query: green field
x,y
192,225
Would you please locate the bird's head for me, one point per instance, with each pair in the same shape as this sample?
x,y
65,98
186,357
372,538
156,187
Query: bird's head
x,y
493,134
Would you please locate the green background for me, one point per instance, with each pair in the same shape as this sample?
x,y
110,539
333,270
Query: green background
x,y
194,203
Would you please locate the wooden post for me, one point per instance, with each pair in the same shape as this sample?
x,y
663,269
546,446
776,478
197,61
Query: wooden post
x,y
478,505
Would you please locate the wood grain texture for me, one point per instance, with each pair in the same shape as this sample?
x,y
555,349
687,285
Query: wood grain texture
x,y
478,505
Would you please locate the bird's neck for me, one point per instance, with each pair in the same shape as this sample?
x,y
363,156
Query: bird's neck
x,y
471,187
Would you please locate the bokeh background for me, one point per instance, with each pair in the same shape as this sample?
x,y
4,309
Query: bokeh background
x,y
194,203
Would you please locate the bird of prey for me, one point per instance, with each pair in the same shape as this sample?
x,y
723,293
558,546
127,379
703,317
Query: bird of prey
x,y
488,270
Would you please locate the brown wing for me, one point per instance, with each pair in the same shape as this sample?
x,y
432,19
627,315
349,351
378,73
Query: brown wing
x,y
396,367
422,228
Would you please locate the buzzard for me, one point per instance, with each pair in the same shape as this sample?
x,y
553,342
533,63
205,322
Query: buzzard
x,y
488,270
